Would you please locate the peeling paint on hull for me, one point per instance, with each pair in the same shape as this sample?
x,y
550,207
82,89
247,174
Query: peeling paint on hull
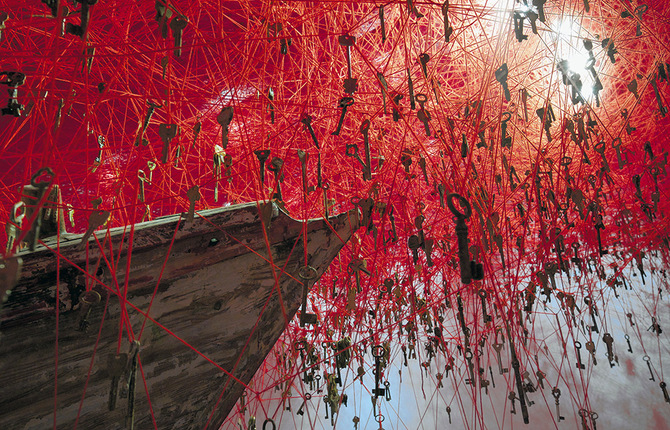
x,y
219,296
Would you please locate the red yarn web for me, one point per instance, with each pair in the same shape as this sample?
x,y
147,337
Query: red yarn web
x,y
553,179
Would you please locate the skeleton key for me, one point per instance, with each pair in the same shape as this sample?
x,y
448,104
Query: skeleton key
x,y
384,85
304,156
600,149
665,391
497,347
468,358
177,25
557,394
579,364
414,243
441,191
448,31
350,84
97,219
424,117
357,266
141,176
382,24
150,112
648,360
306,120
85,12
193,195
483,295
616,144
449,413
422,164
344,103
639,11
167,132
423,60
591,348
367,167
540,377
262,155
352,151
662,108
501,76
224,118
275,167
630,348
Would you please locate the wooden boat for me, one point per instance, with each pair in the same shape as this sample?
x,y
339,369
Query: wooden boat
x,y
218,292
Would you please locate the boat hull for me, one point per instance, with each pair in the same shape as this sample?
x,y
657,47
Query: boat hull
x,y
207,302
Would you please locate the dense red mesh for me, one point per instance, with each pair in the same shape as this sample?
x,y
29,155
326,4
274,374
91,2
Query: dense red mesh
x,y
547,186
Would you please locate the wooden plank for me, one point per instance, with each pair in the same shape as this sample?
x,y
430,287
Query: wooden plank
x,y
219,298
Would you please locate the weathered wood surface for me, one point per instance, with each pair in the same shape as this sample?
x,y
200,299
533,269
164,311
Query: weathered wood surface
x,y
221,298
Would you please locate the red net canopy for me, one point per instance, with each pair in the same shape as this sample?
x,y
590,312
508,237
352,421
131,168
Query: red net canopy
x,y
541,127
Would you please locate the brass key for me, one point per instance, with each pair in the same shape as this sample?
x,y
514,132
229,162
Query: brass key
x,y
97,219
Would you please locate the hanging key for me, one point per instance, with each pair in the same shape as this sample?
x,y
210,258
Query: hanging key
x,y
651,372
385,88
591,348
512,397
142,178
85,13
357,266
350,84
501,76
483,295
449,413
639,11
471,367
616,144
177,26
665,391
557,394
497,347
275,167
448,31
579,364
609,340
224,118
262,155
422,165
306,189
150,112
167,132
630,348
306,120
661,108
344,103
424,117
414,243
367,167
97,219
378,353
423,60
352,151
193,195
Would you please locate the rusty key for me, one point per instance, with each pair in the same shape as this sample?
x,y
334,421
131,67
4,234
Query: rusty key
x,y
167,132
177,26
97,219
193,195
224,118
501,76
344,103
